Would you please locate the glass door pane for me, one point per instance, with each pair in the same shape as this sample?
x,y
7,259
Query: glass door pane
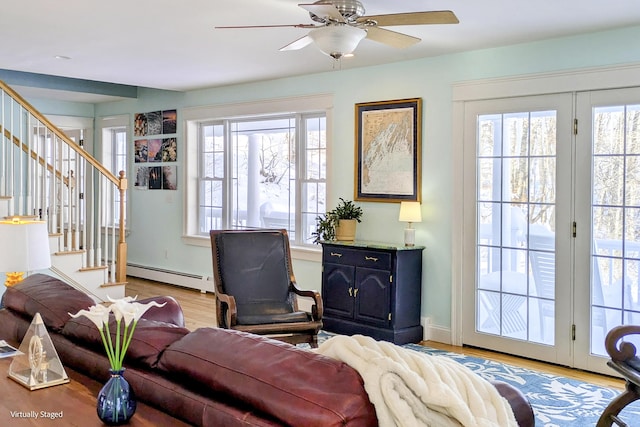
x,y
615,213
516,195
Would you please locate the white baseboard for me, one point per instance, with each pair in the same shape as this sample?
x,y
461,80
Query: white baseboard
x,y
201,283
434,332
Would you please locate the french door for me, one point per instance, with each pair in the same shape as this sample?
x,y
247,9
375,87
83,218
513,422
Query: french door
x,y
608,220
518,223
552,224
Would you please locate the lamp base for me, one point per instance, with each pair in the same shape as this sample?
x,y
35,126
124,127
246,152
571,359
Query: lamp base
x,y
14,278
409,236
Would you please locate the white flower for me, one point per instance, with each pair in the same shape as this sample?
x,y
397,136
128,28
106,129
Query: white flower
x,y
123,310
98,314
125,299
140,309
119,308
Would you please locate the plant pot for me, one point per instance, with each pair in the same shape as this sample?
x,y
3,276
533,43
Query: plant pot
x,y
346,230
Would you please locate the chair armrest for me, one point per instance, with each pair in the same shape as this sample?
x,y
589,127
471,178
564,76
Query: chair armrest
x,y
317,308
626,350
231,314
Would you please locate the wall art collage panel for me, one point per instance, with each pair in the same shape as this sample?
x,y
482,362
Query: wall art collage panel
x,y
155,143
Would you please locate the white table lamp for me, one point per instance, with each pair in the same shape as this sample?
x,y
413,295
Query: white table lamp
x,y
24,246
410,212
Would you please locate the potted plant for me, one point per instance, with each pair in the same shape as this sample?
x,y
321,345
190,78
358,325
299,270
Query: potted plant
x,y
347,215
325,228
339,223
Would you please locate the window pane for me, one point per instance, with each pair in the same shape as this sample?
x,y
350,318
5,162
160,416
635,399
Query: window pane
x,y
210,210
316,148
115,149
262,172
212,153
515,225
633,129
615,215
516,134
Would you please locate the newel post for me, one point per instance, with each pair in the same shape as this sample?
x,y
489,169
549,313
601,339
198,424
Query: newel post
x,y
121,261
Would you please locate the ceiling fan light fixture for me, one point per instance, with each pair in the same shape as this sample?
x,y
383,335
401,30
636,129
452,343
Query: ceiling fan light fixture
x,y
337,40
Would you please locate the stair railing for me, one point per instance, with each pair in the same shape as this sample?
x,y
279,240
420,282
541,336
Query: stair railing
x,y
48,175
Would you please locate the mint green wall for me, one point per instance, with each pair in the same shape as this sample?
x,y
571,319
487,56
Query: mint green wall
x,y
63,108
156,216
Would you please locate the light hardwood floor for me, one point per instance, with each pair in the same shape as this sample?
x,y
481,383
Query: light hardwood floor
x,y
199,311
198,307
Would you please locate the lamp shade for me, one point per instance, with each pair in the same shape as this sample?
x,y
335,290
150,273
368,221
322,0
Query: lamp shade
x,y
337,40
24,246
410,212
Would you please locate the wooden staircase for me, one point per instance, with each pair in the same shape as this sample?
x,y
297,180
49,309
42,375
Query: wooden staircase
x,y
45,174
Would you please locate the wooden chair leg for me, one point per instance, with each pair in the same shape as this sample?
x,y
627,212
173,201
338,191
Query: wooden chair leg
x,y
313,342
610,414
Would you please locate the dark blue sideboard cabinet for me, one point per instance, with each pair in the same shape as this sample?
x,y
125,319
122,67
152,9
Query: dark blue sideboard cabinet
x,y
372,289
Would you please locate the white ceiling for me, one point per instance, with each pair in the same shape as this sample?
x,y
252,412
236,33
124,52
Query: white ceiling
x,y
173,44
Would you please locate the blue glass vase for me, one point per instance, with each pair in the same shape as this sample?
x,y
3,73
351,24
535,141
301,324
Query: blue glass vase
x,y
116,401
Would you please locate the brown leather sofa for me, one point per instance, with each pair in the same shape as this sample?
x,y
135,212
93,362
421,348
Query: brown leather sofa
x,y
208,377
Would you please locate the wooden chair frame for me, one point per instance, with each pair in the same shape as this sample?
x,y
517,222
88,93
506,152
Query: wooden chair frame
x,y
293,332
626,363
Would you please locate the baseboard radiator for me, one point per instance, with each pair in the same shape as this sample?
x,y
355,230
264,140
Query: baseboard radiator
x,y
178,278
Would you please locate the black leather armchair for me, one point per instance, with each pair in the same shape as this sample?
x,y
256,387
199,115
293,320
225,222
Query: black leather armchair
x,y
255,287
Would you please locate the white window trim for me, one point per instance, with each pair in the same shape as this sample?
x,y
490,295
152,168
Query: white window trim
x,y
191,117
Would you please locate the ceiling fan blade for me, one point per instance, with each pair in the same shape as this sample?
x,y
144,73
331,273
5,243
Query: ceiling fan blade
x,y
324,11
297,44
266,26
413,18
391,38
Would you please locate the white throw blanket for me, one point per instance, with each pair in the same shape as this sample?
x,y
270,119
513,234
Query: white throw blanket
x,y
410,389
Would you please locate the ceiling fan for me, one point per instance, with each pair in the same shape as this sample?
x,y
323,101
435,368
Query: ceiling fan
x,y
341,25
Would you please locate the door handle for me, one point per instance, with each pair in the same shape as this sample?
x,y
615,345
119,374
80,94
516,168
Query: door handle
x,y
355,292
350,291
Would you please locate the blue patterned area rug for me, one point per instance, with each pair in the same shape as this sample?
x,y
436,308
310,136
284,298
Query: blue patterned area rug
x,y
556,401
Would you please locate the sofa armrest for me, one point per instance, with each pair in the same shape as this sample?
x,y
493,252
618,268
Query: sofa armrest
x,y
519,403
171,312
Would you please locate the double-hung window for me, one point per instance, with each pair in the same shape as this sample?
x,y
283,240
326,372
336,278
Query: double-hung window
x,y
114,154
264,170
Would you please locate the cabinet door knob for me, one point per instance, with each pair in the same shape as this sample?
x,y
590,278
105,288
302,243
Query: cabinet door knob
x,y
370,258
336,254
350,291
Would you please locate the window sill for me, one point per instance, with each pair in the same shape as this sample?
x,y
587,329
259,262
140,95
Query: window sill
x,y
306,253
